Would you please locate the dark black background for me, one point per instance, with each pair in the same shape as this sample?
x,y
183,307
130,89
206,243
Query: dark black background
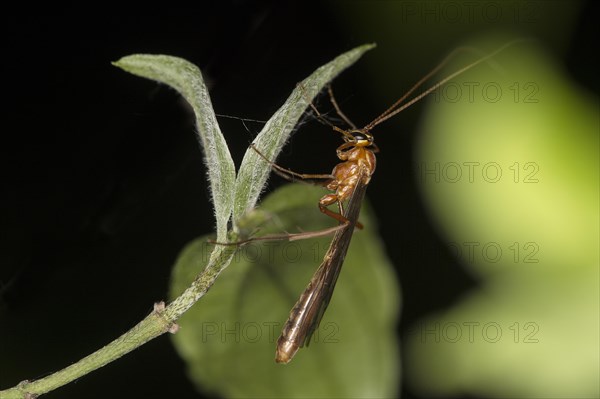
x,y
103,181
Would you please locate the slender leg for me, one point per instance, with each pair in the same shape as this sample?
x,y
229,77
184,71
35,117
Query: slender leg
x,y
287,236
291,175
303,235
335,215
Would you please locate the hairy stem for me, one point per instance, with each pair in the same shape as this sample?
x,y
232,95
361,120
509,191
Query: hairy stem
x,y
161,320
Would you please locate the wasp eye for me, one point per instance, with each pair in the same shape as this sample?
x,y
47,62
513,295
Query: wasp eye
x,y
361,136
358,136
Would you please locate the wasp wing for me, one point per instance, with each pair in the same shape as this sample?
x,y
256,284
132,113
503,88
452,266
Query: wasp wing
x,y
308,311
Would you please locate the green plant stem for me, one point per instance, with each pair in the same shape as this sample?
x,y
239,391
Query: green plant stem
x,y
160,321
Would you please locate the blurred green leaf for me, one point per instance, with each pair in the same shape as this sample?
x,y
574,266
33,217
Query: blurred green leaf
x,y
228,339
509,169
516,163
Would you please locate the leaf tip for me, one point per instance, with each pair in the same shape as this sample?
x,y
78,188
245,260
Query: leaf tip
x,y
363,48
120,63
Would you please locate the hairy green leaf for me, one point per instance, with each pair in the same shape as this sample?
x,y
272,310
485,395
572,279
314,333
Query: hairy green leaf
x,y
186,78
